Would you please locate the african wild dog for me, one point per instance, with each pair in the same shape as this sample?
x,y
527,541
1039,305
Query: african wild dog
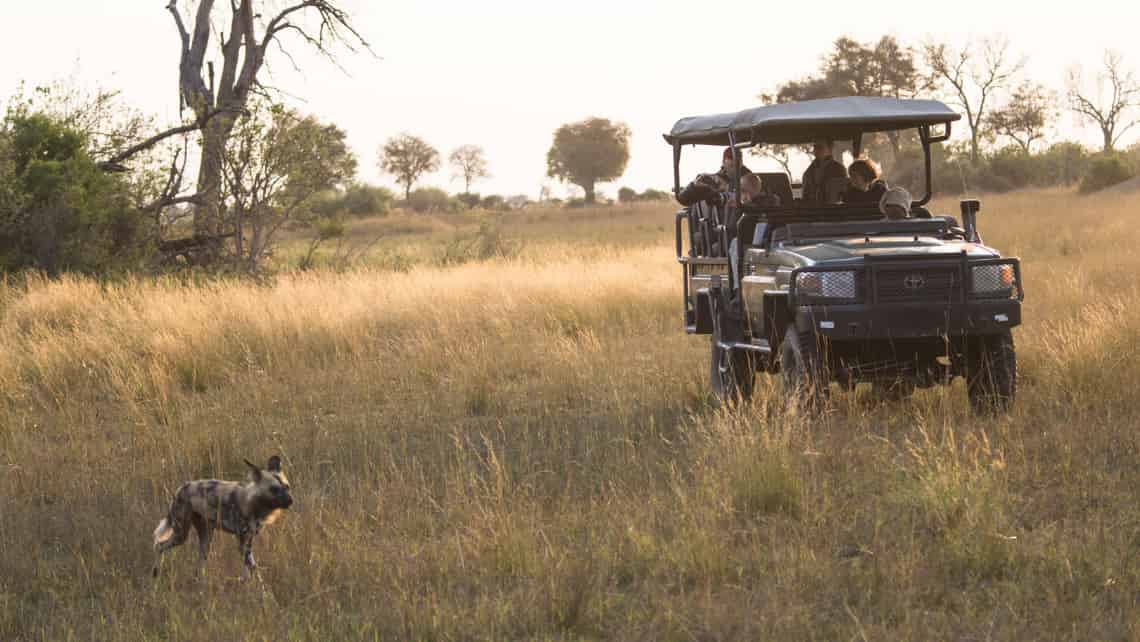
x,y
235,507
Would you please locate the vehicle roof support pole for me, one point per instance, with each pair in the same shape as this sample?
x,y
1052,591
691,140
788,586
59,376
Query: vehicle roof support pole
x,y
676,168
924,135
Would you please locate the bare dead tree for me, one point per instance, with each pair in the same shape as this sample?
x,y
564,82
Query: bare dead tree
x,y
1113,115
318,23
973,79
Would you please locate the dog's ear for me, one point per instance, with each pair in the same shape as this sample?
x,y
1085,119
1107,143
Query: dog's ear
x,y
254,471
274,464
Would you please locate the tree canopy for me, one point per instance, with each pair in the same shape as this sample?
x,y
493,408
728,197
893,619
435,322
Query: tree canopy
x,y
407,158
587,152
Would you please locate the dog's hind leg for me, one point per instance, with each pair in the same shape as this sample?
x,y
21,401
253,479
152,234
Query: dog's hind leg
x,y
170,533
204,534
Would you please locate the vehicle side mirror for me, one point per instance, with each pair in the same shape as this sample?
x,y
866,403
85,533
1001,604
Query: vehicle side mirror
x,y
970,209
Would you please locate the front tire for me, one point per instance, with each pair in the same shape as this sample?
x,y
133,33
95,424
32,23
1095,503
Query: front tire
x,y
991,382
732,374
804,370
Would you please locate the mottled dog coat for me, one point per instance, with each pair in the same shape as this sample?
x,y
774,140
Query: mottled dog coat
x,y
235,507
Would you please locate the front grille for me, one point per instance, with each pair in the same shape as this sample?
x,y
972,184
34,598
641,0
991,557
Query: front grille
x,y
919,285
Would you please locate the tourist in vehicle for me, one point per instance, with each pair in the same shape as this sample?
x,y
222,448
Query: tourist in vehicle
x,y
753,192
727,172
864,187
714,188
895,203
823,174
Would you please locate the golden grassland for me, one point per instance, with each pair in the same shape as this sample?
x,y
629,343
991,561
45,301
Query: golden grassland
x,y
523,448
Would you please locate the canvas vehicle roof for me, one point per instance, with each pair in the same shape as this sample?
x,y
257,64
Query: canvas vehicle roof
x,y
836,118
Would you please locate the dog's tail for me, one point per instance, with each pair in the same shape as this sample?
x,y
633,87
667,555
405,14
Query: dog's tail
x,y
164,531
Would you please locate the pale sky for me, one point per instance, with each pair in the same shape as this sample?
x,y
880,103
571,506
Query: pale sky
x,y
505,74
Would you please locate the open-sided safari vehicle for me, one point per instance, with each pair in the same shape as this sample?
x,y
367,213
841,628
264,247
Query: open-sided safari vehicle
x,y
839,293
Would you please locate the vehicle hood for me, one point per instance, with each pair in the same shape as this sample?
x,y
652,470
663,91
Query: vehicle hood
x,y
857,248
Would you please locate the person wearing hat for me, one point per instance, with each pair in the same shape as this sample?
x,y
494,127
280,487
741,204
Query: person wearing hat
x,y
727,172
895,203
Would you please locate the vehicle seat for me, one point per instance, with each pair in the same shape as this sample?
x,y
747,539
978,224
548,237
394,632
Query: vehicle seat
x,y
833,189
779,184
919,211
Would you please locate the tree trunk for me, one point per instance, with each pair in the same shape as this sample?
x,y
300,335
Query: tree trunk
x,y
588,186
407,192
208,215
1108,147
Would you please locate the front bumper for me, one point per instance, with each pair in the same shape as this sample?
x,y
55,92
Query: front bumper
x,y
908,321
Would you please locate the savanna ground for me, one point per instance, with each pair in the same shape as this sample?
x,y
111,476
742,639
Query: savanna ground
x,y
523,448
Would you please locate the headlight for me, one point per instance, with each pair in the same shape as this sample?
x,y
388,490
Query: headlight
x,y
827,285
994,281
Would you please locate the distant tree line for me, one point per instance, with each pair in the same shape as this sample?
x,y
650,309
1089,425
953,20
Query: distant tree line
x,y
1009,119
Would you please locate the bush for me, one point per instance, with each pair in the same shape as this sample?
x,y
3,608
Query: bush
x,y
432,199
361,199
1106,171
494,202
655,195
469,200
1015,168
1064,163
627,195
58,210
487,243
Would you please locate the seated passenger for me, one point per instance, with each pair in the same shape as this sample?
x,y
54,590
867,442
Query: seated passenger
x,y
713,188
895,203
864,186
727,172
823,171
752,192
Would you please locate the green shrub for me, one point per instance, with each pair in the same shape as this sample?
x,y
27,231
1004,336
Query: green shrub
x,y
360,199
1106,171
494,202
432,199
469,200
654,195
58,210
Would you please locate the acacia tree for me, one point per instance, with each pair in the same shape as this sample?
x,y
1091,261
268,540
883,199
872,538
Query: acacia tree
x,y
1024,118
469,162
275,169
885,68
587,152
252,29
407,158
1114,115
973,79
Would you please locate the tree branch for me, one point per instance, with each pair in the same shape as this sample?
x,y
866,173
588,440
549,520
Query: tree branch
x,y
114,163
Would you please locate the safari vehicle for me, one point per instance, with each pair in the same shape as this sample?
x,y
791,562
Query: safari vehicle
x,y
839,293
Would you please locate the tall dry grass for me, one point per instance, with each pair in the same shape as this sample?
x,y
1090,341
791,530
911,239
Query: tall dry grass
x,y
524,449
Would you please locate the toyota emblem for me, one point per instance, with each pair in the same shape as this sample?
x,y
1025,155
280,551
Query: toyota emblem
x,y
914,281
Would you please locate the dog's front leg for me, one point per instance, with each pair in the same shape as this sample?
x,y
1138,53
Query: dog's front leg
x,y
248,566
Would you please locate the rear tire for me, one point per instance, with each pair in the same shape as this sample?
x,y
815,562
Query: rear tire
x,y
803,369
991,381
